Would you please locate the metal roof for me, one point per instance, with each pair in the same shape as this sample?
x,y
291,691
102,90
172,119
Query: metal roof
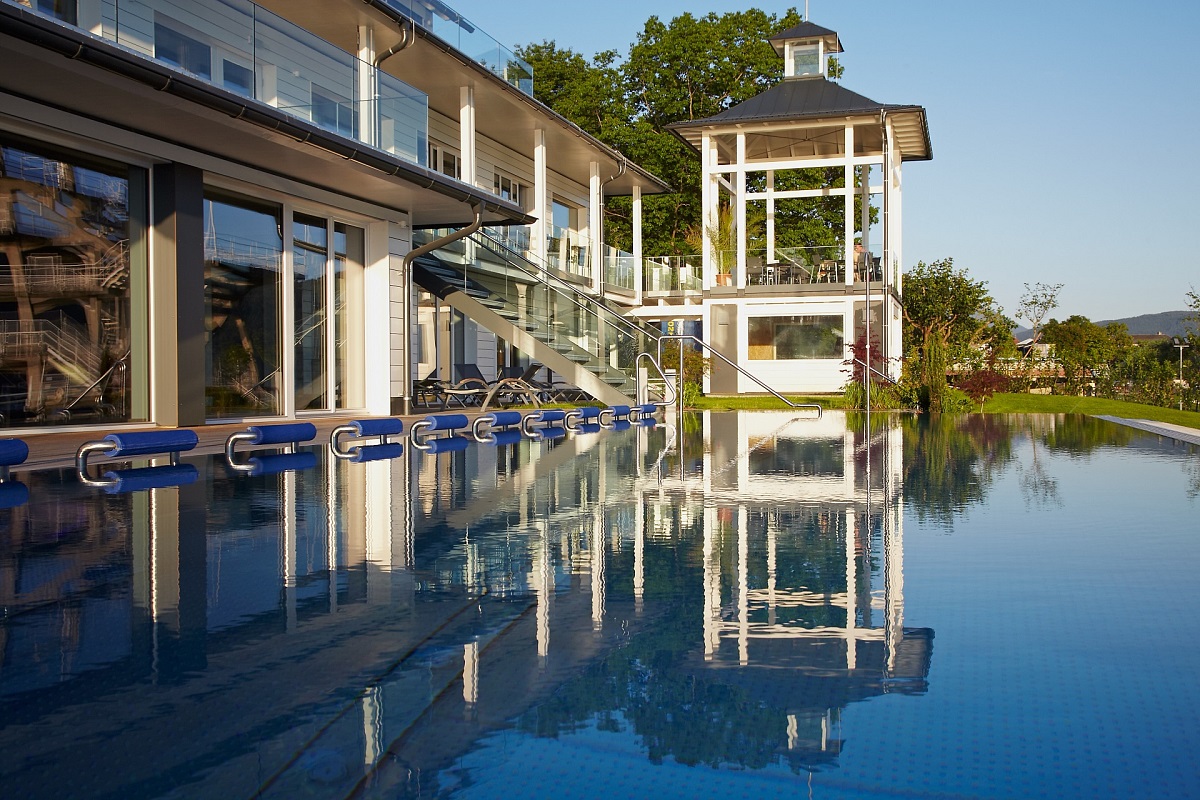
x,y
807,30
804,99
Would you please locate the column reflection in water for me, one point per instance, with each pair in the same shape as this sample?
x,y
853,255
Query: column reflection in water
x,y
380,621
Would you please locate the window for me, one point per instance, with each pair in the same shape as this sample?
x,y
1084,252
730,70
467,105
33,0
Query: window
x,y
508,188
182,51
333,113
64,10
795,338
444,160
243,252
72,252
237,78
806,59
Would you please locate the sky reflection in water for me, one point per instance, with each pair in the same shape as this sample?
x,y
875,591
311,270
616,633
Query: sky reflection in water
x,y
1003,607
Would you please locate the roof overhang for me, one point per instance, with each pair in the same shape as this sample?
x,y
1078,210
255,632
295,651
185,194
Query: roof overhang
x,y
503,112
61,67
787,132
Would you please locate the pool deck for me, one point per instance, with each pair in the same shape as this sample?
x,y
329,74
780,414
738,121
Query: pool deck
x,y
1179,433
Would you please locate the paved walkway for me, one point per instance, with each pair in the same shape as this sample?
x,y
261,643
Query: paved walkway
x,y
1179,433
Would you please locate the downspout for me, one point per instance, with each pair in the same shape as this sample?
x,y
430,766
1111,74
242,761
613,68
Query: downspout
x,y
406,282
408,35
600,233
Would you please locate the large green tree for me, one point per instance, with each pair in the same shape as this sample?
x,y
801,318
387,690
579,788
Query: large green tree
x,y
689,68
946,314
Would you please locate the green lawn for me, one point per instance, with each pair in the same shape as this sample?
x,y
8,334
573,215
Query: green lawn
x,y
999,404
1096,406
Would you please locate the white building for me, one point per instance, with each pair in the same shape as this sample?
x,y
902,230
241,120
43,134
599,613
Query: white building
x,y
776,293
205,209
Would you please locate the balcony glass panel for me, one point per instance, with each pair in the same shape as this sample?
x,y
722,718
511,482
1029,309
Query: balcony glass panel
x,y
240,47
466,37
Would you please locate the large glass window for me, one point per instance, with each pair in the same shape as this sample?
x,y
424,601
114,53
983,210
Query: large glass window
x,y
243,249
795,337
310,256
349,245
72,259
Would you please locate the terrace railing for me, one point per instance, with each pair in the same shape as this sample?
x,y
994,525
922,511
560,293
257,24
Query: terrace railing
x,y
245,49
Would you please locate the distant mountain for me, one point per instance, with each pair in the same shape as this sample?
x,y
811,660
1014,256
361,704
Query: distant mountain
x,y
1169,323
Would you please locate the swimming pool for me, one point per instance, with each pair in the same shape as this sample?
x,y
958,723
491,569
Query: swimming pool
x,y
752,606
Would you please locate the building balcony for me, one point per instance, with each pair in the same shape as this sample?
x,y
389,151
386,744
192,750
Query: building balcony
x,y
242,48
460,33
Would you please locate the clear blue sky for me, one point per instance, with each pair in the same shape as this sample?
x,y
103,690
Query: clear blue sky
x,y
1064,133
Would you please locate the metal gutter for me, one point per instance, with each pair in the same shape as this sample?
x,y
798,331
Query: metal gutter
x,y
80,46
398,16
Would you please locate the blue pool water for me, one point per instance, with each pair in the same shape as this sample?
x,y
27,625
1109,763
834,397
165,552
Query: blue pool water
x,y
753,606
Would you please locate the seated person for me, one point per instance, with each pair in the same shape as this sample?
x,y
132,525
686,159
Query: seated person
x,y
864,264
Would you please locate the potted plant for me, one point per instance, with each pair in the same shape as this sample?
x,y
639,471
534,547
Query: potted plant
x,y
722,239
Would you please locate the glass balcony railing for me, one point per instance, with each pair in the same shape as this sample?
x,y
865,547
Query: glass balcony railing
x,y
463,35
567,251
672,274
619,269
245,49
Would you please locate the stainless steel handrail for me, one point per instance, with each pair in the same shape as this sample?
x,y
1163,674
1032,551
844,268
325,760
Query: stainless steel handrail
x,y
676,394
682,337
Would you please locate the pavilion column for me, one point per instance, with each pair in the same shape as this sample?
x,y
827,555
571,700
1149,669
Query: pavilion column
x,y
848,253
466,134
365,83
541,199
595,209
740,207
639,264
708,208
770,217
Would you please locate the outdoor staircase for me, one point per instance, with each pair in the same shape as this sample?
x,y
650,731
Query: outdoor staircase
x,y
583,342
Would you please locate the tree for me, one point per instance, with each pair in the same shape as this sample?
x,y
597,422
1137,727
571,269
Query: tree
x,y
1038,301
691,68
944,311
1082,349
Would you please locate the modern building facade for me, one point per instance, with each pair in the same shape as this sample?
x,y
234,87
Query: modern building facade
x,y
206,208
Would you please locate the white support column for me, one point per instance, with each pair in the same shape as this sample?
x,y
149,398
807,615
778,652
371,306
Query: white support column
x,y
466,135
708,205
743,586
595,209
597,543
771,216
848,254
541,199
543,584
851,583
287,549
710,595
639,265
740,209
864,195
365,93
893,581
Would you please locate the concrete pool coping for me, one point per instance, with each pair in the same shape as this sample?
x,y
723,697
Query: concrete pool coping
x,y
57,448
1179,433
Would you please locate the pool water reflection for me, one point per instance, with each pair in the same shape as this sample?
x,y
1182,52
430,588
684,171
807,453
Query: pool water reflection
x,y
745,607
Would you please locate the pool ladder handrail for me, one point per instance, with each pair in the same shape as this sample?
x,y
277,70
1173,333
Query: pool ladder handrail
x,y
682,337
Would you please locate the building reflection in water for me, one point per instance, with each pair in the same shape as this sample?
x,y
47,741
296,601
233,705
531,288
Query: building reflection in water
x,y
369,624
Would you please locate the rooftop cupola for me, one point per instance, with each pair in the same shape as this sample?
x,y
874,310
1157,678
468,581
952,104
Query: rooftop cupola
x,y
806,49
